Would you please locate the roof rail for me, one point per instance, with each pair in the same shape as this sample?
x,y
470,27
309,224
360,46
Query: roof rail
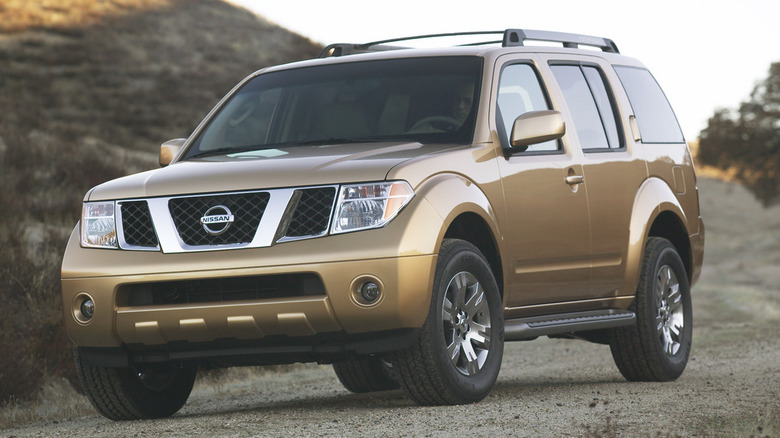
x,y
516,37
511,37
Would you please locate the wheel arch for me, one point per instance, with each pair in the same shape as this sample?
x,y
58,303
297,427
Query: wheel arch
x,y
472,228
658,213
669,226
468,215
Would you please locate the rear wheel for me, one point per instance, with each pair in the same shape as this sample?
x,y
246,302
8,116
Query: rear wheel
x,y
657,347
136,392
457,356
366,374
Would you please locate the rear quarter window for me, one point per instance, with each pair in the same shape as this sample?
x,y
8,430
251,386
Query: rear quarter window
x,y
656,119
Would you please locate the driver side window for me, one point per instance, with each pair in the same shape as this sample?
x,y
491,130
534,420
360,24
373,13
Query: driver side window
x,y
519,92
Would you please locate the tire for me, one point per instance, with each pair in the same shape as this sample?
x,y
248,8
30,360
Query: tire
x,y
457,356
156,391
657,347
363,374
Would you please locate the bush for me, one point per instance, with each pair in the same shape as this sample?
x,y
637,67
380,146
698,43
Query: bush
x,y
33,344
746,142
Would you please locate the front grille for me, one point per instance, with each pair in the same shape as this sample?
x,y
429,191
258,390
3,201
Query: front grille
x,y
247,209
312,213
137,224
218,290
222,221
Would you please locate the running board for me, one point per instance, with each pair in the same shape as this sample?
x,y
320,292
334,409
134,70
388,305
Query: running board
x,y
529,328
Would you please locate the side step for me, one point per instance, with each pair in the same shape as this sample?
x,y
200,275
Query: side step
x,y
529,328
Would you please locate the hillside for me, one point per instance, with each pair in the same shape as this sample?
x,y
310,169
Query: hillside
x,y
88,91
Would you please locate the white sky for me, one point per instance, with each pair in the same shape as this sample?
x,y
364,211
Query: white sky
x,y
705,54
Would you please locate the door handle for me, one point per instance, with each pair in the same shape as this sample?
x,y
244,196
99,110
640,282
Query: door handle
x,y
575,179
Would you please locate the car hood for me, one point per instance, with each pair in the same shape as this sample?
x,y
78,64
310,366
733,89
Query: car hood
x,y
266,169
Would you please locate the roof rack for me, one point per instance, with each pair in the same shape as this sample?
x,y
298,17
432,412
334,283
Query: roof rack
x,y
511,38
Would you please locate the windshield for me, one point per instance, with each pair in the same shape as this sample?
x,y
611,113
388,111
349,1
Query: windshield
x,y
429,100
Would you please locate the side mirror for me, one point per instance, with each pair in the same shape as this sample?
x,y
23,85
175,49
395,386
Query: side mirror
x,y
537,127
169,149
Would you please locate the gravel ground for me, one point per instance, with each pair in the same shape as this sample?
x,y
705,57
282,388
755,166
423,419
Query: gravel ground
x,y
547,387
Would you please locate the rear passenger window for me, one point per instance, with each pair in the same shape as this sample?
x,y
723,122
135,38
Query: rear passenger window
x,y
590,105
519,92
657,122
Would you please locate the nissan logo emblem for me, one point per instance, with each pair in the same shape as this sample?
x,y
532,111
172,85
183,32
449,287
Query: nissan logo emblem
x,y
217,220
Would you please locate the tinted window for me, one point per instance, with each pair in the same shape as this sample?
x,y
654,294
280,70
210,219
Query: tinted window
x,y
604,104
590,106
429,100
657,122
519,92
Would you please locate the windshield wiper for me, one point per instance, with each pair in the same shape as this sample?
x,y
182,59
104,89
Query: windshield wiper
x,y
345,140
225,151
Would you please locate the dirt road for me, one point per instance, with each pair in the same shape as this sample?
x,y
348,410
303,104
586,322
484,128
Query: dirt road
x,y
547,388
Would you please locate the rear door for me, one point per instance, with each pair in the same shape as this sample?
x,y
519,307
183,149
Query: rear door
x,y
613,168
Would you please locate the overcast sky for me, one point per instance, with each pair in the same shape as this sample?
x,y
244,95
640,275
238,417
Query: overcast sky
x,y
705,54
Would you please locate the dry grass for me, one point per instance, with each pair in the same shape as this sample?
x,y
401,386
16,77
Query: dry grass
x,y
20,15
55,401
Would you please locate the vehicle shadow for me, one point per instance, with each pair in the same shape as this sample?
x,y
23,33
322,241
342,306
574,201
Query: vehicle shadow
x,y
394,400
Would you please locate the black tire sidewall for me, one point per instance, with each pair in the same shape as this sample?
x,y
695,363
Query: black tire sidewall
x,y
119,394
459,256
363,374
661,253
163,401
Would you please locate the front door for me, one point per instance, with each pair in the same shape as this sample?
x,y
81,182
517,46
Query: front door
x,y
547,221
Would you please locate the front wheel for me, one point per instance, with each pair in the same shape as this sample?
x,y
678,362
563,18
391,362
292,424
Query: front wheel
x,y
457,356
136,392
362,374
657,347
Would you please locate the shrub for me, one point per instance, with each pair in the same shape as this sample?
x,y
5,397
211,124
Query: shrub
x,y
746,142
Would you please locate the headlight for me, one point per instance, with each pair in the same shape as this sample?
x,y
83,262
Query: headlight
x,y
98,228
363,206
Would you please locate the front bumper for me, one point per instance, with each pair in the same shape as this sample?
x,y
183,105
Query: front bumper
x,y
399,257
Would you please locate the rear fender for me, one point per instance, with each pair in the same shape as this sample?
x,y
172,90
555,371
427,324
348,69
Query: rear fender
x,y
653,198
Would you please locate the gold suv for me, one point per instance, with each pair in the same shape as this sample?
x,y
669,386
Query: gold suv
x,y
399,213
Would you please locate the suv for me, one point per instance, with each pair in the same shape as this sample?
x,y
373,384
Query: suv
x,y
398,213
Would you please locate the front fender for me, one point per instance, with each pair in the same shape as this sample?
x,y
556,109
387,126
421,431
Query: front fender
x,y
452,195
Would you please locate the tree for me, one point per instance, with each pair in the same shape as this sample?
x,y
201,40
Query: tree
x,y
747,140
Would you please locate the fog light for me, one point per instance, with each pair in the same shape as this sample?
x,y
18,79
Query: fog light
x,y
369,291
83,308
366,290
87,308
